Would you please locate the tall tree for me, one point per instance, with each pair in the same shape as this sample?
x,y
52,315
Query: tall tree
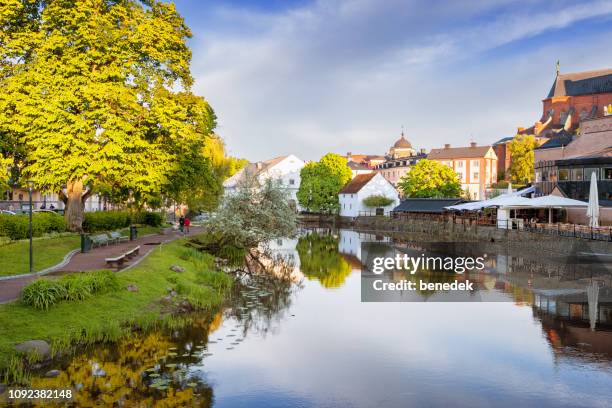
x,y
98,92
521,150
430,179
321,182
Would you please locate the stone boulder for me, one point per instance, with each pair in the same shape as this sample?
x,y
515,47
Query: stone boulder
x,y
177,268
52,373
38,347
132,288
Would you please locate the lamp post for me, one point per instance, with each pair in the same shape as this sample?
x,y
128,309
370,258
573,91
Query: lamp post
x,y
30,187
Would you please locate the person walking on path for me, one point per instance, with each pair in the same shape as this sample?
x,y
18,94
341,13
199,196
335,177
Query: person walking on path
x,y
182,223
187,224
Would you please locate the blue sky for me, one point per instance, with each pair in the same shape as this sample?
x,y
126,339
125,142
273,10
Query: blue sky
x,y
309,77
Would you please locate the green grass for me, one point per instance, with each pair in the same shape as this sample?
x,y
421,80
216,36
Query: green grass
x,y
107,317
47,252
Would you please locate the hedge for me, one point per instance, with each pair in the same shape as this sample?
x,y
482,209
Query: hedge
x,y
17,226
111,220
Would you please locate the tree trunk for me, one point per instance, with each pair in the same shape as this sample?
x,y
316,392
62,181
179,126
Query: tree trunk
x,y
74,206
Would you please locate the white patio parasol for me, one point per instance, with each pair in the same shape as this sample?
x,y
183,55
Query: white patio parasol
x,y
509,188
593,208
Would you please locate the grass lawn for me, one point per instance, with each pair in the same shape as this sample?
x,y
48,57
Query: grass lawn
x,y
47,252
106,316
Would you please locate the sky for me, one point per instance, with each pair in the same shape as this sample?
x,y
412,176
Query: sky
x,y
311,77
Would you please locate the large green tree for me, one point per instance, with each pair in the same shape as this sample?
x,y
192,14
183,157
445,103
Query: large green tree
x,y
98,93
430,179
321,182
521,150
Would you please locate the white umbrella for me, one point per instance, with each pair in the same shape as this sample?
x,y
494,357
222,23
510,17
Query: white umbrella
x,y
593,208
509,188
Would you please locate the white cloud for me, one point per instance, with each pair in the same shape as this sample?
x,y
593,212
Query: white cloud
x,y
344,76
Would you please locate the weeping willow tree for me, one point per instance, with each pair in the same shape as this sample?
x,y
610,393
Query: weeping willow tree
x,y
98,94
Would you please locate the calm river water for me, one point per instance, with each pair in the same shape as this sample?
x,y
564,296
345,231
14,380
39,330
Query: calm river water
x,y
311,342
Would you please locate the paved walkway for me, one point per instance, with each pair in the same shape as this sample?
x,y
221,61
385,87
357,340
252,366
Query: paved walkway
x,y
94,260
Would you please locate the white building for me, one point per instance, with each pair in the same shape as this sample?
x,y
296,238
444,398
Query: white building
x,y
285,170
361,187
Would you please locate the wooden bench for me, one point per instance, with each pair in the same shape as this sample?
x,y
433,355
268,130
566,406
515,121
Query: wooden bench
x,y
133,252
116,235
118,261
99,240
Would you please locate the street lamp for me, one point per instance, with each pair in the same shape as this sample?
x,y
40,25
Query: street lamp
x,y
30,188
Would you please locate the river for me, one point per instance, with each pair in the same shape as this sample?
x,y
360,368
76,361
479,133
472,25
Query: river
x,y
311,342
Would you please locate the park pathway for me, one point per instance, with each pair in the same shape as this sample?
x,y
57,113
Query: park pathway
x,y
10,289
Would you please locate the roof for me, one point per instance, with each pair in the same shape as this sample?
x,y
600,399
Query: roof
x,y
582,83
504,140
603,156
253,169
361,158
357,166
458,152
426,205
402,143
357,183
562,138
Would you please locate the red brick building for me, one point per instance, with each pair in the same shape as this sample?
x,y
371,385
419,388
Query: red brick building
x,y
574,97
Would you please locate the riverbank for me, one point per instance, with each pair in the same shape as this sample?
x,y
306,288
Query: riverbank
x,y
173,279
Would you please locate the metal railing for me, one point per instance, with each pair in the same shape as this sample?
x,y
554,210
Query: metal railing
x,y
520,225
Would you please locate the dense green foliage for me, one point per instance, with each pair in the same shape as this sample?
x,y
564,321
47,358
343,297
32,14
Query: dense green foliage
x,y
18,226
377,201
44,293
112,220
320,259
521,149
321,182
96,97
430,179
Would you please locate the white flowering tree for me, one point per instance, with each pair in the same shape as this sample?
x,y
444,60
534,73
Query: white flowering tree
x,y
254,214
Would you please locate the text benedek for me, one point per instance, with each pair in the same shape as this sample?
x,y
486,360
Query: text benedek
x,y
409,285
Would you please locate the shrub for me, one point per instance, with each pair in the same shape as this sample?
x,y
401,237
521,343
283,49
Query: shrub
x,y
105,220
111,220
43,293
77,287
17,226
377,201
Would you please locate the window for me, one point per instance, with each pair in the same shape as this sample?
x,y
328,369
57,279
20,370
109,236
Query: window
x,y
460,164
460,175
607,173
577,174
564,174
475,176
291,182
475,164
588,171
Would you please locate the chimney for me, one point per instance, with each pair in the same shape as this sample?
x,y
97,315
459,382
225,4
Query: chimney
x,y
472,144
447,146
349,156
259,165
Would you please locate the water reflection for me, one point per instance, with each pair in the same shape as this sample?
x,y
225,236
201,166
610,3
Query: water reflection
x,y
287,341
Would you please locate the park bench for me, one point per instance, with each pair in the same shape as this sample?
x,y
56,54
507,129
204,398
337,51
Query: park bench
x,y
133,252
118,261
116,235
99,240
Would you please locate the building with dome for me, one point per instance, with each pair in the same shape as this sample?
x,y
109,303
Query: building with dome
x,y
400,158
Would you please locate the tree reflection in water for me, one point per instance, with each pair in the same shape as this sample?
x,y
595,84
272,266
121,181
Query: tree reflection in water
x,y
321,260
